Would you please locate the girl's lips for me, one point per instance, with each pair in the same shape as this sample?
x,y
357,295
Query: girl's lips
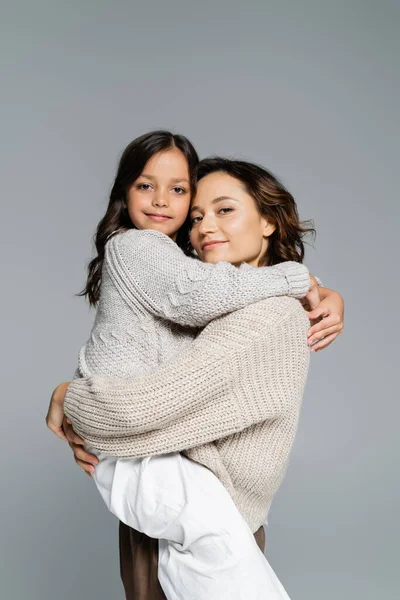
x,y
211,245
158,217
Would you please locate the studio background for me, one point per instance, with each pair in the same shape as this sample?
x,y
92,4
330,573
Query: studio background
x,y
310,90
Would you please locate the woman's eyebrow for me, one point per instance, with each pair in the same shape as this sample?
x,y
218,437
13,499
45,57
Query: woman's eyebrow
x,y
215,201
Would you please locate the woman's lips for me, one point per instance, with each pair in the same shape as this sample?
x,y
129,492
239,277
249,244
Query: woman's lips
x,y
211,245
158,217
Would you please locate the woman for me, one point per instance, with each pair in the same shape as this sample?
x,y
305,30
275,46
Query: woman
x,y
216,259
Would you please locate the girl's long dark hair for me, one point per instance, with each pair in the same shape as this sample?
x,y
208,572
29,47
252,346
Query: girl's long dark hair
x,y
273,201
131,165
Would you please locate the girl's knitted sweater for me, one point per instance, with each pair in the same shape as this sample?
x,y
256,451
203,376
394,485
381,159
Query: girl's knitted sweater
x,y
230,399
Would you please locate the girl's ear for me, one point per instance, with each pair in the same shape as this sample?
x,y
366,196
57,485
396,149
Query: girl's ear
x,y
268,228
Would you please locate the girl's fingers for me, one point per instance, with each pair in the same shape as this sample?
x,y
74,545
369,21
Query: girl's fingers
x,y
318,313
324,333
324,343
331,321
312,298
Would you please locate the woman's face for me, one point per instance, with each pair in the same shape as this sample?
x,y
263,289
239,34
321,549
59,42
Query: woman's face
x,y
160,197
226,224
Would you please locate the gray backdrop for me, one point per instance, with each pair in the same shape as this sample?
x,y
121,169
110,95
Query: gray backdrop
x,y
309,89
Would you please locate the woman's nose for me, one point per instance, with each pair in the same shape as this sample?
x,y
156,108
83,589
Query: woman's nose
x,y
207,225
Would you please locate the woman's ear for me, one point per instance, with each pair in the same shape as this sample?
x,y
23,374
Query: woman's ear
x,y
268,228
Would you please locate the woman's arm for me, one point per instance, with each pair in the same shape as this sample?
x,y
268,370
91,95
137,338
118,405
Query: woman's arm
x,y
331,315
244,368
150,270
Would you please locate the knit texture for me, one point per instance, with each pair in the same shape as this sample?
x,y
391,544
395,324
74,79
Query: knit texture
x,y
152,299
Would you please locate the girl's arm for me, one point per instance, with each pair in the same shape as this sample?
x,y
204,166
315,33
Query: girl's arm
x,y
151,271
245,368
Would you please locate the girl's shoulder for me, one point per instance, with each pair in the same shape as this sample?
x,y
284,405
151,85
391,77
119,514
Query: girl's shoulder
x,y
138,237
140,242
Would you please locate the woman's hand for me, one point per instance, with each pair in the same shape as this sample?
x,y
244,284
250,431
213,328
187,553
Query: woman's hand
x,y
55,414
328,319
62,428
87,462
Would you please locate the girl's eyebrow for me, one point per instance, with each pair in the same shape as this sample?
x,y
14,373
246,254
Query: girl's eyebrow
x,y
215,201
180,180
174,180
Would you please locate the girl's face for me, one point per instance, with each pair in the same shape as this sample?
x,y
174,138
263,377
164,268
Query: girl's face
x,y
226,224
159,199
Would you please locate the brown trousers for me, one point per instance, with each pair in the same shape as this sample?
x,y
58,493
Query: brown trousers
x,y
139,563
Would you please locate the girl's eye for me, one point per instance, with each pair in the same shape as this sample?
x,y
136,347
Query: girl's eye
x,y
179,190
225,210
144,186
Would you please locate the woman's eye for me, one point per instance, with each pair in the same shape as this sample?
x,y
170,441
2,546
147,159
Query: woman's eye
x,y
179,190
225,210
195,220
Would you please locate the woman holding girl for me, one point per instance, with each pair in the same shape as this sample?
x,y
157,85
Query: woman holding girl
x,y
197,402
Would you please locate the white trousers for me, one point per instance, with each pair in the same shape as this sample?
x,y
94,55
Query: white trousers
x,y
206,548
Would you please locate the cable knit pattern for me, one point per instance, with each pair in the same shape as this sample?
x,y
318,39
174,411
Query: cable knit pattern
x,y
153,300
231,401
149,268
151,294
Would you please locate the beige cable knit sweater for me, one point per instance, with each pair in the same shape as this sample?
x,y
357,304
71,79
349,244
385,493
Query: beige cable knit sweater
x,y
239,385
244,373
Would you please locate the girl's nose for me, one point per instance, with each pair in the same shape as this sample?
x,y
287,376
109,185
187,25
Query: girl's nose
x,y
160,199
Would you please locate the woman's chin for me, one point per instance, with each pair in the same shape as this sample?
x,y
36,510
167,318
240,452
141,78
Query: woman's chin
x,y
214,257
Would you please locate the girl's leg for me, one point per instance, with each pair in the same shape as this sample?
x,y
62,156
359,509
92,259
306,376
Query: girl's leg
x,y
207,550
216,556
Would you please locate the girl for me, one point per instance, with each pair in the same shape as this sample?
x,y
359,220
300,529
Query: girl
x,y
182,292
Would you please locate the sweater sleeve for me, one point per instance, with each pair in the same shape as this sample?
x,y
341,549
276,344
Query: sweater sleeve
x,y
244,368
149,269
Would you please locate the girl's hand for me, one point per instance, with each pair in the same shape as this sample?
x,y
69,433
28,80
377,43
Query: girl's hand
x,y
328,318
55,414
83,459
312,299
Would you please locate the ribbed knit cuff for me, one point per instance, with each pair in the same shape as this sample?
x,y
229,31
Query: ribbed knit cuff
x,y
297,277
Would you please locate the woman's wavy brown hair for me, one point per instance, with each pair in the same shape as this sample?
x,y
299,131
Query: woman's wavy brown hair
x,y
273,201
131,165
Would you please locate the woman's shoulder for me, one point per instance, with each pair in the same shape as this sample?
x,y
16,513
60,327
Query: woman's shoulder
x,y
281,307
270,312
